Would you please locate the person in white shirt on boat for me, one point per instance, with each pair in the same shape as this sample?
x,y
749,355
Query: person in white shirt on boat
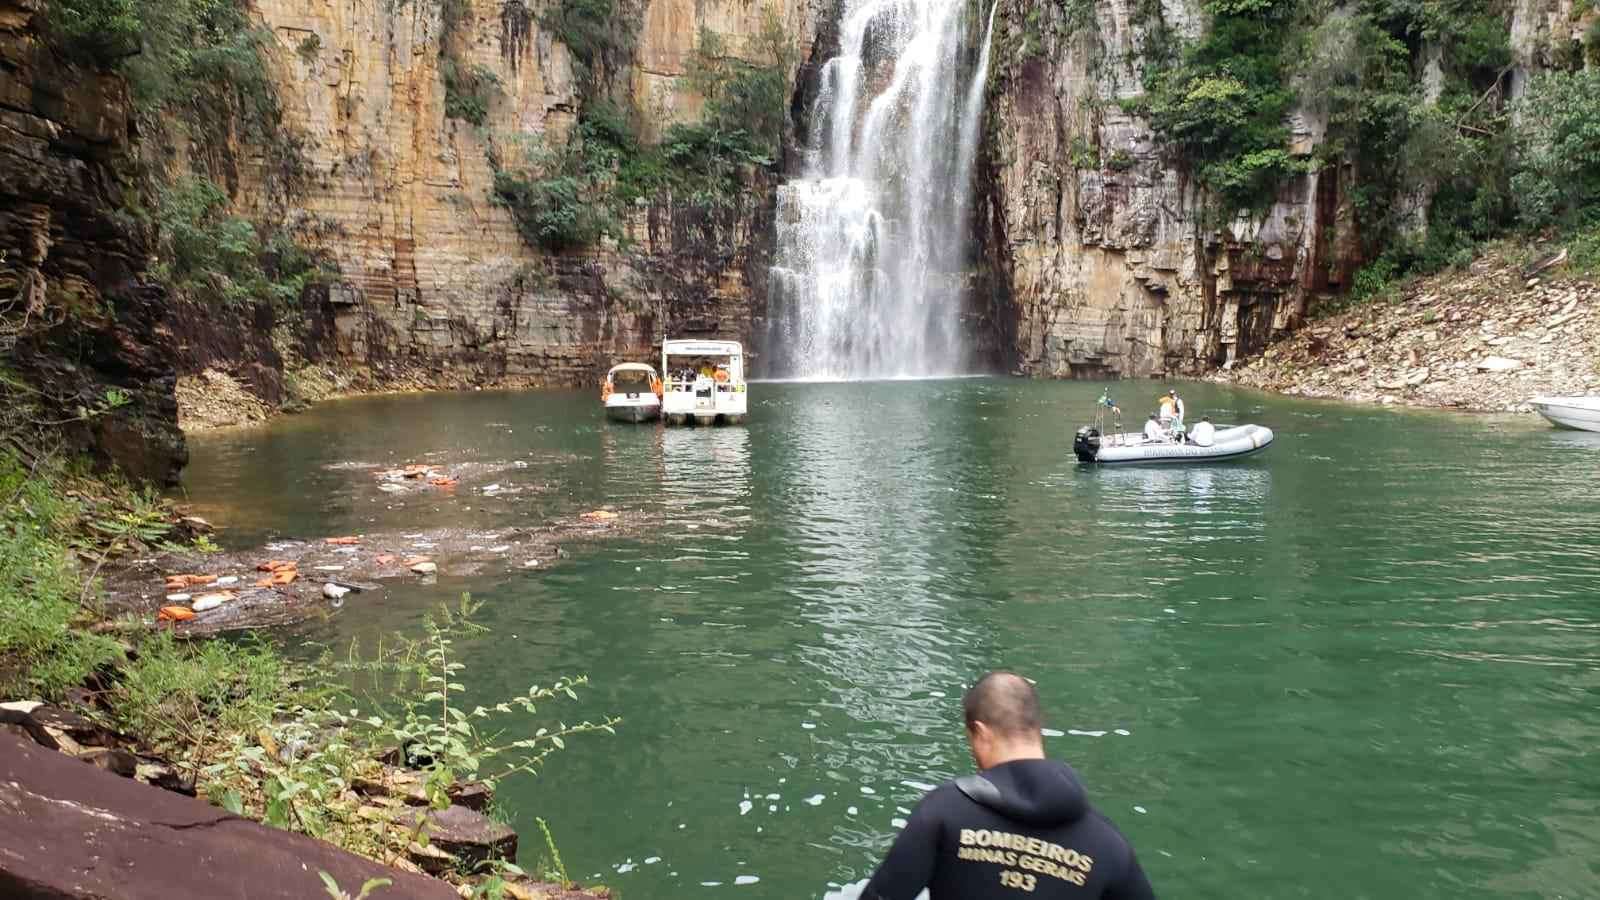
x,y
1152,431
1204,434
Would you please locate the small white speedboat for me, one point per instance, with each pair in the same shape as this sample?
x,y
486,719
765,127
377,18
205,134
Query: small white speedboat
x,y
1581,413
1234,442
631,393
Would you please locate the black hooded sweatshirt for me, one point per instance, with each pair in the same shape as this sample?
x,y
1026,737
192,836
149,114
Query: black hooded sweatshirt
x,y
1023,829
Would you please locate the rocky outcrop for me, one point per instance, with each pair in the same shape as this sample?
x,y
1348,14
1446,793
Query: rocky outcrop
x,y
1113,263
432,276
76,317
1488,339
69,830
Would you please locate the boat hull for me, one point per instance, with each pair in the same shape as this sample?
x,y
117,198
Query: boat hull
x,y
633,413
1233,443
1577,413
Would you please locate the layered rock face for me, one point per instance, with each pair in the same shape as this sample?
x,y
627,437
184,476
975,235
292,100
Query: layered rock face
x,y
433,277
76,318
1114,267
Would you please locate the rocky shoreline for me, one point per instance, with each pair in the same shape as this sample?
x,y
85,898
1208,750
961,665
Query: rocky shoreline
x,y
137,802
1485,340
215,399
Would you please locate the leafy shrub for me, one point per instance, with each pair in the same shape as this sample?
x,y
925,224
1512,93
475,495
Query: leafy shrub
x,y
468,90
595,33
1223,100
99,31
552,211
1374,279
179,695
211,255
1557,177
41,653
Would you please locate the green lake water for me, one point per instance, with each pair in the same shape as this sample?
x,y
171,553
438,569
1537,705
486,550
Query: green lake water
x,y
1365,664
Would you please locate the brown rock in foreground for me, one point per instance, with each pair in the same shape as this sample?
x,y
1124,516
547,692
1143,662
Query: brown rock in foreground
x,y
68,830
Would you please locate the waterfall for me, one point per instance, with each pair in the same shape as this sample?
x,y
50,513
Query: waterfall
x,y
872,240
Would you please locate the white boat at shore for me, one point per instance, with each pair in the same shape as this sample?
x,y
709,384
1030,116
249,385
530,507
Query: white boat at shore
x,y
704,382
1580,413
1234,442
631,393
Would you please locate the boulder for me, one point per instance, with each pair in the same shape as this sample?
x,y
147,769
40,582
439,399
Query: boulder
x,y
468,835
1498,364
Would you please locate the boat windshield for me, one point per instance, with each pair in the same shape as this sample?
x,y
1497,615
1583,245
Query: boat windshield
x,y
631,381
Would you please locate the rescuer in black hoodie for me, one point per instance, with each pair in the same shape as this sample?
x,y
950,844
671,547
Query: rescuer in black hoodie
x,y
1022,827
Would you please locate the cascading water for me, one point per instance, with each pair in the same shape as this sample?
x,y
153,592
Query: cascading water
x,y
872,240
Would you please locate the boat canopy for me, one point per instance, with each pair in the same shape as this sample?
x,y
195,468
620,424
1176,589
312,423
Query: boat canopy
x,y
706,351
632,367
701,348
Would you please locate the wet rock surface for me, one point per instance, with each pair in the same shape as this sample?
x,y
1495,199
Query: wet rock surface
x,y
1489,339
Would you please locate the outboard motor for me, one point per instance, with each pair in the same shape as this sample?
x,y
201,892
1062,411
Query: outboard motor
x,y
1087,444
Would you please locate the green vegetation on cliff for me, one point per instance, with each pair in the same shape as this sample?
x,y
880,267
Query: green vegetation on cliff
x,y
574,195
205,102
1414,95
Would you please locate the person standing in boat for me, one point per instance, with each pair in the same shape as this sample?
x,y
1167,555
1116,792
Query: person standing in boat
x,y
1169,408
1022,826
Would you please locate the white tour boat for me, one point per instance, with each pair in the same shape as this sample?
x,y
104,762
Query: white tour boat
x,y
1582,413
631,393
704,382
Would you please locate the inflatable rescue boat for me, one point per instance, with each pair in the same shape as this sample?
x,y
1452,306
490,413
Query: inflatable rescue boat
x,y
1235,442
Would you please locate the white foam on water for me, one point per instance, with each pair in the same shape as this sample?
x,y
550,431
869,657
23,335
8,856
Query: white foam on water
x,y
868,791
1075,731
1123,731
850,810
1140,810
936,693
1051,732
745,806
651,860
808,725
919,785
625,868
772,807
774,797
897,822
813,800
746,879
711,884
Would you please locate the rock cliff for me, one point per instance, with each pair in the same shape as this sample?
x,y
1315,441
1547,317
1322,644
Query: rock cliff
x,y
434,277
77,318
1114,265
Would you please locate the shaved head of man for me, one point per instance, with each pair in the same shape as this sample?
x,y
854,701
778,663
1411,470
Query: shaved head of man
x,y
1003,719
